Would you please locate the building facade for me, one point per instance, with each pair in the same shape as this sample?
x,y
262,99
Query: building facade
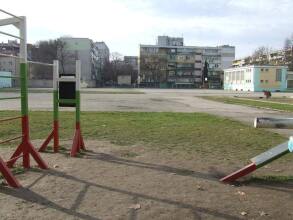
x,y
218,59
132,61
256,78
82,49
171,64
170,41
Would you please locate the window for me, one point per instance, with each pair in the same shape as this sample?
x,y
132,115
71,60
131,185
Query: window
x,y
278,75
267,81
261,70
171,73
261,81
267,70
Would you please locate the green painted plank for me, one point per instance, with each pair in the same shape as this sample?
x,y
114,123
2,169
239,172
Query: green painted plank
x,y
67,101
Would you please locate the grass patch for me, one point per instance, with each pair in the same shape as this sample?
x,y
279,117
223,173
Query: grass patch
x,y
271,179
187,132
252,103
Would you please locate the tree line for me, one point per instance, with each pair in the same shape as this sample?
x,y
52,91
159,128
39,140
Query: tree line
x,y
262,55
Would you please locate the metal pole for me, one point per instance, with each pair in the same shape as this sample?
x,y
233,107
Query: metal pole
x,y
56,104
24,91
12,15
10,35
279,123
77,76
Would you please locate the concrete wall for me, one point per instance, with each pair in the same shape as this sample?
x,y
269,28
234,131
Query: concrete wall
x,y
265,79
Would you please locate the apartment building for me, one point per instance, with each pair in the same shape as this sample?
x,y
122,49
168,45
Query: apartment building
x,y
171,64
85,50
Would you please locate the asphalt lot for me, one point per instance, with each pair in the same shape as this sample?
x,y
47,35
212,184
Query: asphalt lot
x,y
153,100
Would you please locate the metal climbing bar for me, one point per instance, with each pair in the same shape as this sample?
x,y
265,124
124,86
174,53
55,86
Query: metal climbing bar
x,y
10,119
25,149
11,139
13,159
10,77
40,63
8,98
12,15
67,101
10,35
29,61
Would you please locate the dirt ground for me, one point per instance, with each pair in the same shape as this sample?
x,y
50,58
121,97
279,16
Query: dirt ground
x,y
138,182
135,182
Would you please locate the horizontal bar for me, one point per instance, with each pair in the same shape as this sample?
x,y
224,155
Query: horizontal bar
x,y
9,21
11,35
67,101
7,55
280,123
12,15
10,119
13,159
29,61
40,63
67,79
12,139
10,77
8,98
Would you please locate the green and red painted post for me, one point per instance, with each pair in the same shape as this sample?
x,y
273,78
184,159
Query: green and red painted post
x,y
55,132
78,142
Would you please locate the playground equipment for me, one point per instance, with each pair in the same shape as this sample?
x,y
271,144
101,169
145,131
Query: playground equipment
x,y
66,94
25,149
268,156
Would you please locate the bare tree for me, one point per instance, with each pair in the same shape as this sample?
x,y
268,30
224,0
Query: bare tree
x,y
287,43
65,57
115,67
261,55
46,52
288,52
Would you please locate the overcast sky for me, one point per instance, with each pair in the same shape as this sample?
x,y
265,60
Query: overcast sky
x,y
124,24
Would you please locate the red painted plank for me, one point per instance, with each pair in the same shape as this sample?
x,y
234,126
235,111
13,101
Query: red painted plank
x,y
239,173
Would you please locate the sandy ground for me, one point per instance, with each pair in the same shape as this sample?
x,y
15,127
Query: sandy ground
x,y
107,183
